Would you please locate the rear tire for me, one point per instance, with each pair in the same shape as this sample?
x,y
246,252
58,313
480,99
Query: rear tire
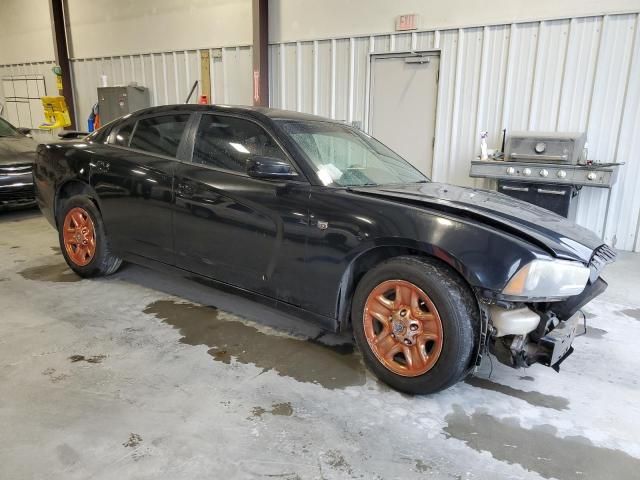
x,y
416,323
83,241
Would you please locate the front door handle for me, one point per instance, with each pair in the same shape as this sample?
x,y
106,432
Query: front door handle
x,y
102,166
184,190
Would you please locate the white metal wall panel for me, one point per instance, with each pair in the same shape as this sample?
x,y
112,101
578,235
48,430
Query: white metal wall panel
x,y
549,72
521,68
624,209
448,100
579,74
493,73
559,75
466,136
610,86
168,75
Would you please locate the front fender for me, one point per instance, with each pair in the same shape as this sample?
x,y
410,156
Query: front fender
x,y
485,257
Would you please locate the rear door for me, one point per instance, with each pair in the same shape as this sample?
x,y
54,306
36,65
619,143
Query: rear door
x,y
133,176
240,230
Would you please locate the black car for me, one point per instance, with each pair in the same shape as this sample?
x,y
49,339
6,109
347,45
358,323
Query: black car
x,y
17,153
318,218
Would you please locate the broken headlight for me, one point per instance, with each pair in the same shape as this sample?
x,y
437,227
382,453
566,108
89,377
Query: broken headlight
x,y
548,279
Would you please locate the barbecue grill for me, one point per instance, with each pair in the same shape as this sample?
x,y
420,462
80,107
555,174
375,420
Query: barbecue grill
x,y
546,169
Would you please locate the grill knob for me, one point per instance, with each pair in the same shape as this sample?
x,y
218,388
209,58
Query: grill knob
x,y
540,147
511,171
526,172
544,172
591,176
562,174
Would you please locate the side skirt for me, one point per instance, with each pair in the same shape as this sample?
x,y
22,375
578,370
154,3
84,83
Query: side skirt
x,y
326,323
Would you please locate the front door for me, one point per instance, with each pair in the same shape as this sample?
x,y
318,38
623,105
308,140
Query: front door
x,y
402,105
133,177
239,230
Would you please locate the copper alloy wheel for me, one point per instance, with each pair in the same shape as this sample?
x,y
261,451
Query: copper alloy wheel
x,y
79,236
403,328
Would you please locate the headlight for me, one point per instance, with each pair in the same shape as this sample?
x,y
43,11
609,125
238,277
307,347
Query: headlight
x,y
548,279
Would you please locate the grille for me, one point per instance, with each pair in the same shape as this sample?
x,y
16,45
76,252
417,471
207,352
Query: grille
x,y
17,194
602,255
15,169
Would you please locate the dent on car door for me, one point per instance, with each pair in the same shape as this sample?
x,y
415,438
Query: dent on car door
x,y
133,177
240,230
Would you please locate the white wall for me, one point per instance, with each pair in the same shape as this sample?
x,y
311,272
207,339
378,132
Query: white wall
x,y
25,31
573,74
119,27
291,20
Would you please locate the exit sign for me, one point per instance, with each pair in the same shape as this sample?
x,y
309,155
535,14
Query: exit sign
x,y
407,22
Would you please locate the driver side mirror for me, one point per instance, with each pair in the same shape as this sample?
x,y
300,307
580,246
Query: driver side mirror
x,y
270,167
24,131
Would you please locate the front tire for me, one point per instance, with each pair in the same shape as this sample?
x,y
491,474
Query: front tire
x,y
416,322
83,241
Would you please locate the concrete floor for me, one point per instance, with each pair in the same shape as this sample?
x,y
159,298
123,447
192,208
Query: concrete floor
x,y
148,376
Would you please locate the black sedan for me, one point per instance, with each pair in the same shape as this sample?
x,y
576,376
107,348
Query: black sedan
x,y
17,152
317,218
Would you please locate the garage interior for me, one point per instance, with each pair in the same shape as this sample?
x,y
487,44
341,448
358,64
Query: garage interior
x,y
144,374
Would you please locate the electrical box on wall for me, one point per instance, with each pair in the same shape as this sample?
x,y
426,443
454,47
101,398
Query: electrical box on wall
x,y
114,102
407,22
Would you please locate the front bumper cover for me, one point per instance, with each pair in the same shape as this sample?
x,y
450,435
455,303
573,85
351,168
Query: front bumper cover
x,y
16,185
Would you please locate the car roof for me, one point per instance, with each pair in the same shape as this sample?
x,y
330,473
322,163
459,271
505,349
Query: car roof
x,y
272,113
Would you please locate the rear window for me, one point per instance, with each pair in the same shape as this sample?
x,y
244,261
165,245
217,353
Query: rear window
x,y
160,135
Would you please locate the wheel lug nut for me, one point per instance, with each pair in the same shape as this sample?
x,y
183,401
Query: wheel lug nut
x,y
407,341
403,313
413,327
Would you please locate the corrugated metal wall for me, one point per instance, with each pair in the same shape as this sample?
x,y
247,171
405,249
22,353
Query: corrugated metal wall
x,y
560,75
564,75
168,75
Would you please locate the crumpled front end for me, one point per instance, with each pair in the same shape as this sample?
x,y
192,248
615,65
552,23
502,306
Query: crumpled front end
x,y
521,334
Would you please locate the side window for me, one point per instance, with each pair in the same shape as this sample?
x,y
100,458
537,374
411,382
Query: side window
x,y
100,135
227,142
160,134
123,135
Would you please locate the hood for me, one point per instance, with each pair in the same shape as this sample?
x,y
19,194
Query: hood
x,y
17,150
556,234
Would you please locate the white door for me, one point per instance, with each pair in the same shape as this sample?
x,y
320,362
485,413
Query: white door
x,y
402,104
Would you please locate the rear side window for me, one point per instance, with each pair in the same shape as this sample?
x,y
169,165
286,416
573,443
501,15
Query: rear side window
x,y
227,142
160,134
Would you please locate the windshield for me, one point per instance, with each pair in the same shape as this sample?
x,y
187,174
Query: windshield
x,y
345,157
6,130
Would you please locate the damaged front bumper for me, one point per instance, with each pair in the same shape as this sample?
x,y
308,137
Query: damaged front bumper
x,y
518,341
